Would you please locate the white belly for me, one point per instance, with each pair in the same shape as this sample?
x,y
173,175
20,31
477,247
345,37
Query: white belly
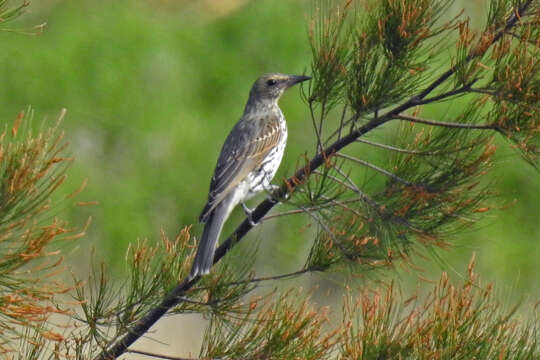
x,y
260,179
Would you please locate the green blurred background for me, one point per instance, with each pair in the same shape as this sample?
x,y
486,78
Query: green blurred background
x,y
152,89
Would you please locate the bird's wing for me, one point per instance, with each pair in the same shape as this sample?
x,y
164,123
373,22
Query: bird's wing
x,y
245,148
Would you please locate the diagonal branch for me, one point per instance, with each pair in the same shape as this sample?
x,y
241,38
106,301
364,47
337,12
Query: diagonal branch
x,y
175,296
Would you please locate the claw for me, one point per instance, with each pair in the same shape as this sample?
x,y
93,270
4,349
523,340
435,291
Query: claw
x,y
248,212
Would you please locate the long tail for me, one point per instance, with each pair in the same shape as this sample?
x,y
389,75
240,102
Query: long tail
x,y
207,245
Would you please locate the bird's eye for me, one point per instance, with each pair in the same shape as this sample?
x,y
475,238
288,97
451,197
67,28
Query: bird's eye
x,y
271,82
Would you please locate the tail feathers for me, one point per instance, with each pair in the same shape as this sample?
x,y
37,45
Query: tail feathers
x,y
207,245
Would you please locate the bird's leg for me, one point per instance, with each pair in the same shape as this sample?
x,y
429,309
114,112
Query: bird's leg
x,y
248,212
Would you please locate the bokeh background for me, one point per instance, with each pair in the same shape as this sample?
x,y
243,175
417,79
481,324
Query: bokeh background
x,y
152,88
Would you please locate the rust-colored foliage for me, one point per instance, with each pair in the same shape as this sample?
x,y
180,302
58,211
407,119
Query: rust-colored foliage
x,y
280,327
451,321
32,167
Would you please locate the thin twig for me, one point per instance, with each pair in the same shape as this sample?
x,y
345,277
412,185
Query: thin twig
x,y
363,197
446,95
348,178
319,140
312,208
344,206
343,114
291,212
338,131
261,279
499,97
321,120
400,150
321,224
348,186
444,123
330,233
376,168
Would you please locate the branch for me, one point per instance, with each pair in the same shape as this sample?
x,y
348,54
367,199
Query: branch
x,y
321,224
376,168
350,184
397,149
341,119
447,95
175,296
319,147
446,124
265,278
345,207
313,208
501,97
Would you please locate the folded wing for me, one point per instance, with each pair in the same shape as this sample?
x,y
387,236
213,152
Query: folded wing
x,y
246,147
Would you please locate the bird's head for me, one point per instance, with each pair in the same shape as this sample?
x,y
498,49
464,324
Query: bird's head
x,y
269,87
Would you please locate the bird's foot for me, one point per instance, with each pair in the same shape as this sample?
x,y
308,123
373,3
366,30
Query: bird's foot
x,y
248,213
271,197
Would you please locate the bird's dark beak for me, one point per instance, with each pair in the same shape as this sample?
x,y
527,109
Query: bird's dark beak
x,y
295,79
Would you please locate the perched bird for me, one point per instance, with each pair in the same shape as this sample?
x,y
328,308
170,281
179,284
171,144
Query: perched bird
x,y
247,163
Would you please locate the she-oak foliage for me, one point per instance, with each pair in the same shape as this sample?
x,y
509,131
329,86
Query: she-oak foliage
x,y
377,66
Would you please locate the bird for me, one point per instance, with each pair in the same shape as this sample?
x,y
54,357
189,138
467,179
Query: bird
x,y
247,163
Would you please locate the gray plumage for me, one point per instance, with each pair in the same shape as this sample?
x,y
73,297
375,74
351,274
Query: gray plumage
x,y
247,163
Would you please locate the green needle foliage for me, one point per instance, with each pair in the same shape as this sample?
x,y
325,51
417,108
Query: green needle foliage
x,y
379,63
32,167
109,306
